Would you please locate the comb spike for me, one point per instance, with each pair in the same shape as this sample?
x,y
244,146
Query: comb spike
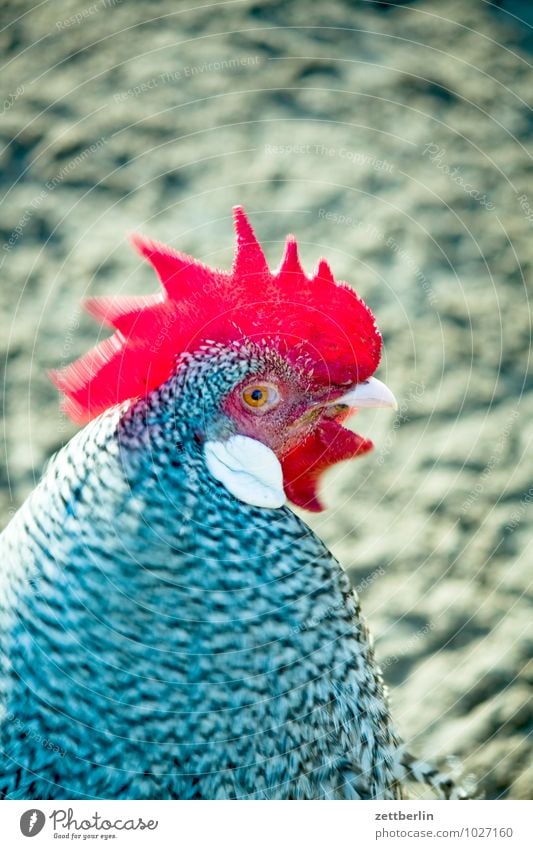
x,y
112,310
249,256
178,273
73,377
290,263
324,272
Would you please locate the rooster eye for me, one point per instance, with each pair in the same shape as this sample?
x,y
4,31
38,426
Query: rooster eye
x,y
259,395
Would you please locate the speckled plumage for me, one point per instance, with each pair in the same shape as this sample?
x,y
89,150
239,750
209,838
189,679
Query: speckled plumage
x,y
171,641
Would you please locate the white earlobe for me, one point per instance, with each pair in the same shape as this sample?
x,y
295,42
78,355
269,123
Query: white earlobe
x,y
248,469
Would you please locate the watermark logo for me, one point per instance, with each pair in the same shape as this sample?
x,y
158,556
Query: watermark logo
x,y
437,154
65,819
526,208
50,185
356,157
32,822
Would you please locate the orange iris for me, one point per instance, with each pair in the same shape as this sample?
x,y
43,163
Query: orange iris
x,y
256,396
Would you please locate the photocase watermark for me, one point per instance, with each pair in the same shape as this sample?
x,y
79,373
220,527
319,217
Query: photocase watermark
x,y
68,343
436,154
74,162
11,98
164,333
518,514
391,659
186,72
414,393
330,611
88,12
364,583
49,186
356,157
30,734
492,462
389,241
221,65
70,822
32,822
526,208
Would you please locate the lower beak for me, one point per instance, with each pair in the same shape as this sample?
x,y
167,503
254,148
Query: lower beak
x,y
369,393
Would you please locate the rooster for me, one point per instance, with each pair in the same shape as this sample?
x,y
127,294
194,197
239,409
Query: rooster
x,y
169,628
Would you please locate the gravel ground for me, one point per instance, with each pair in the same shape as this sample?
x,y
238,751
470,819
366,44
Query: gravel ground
x,y
391,138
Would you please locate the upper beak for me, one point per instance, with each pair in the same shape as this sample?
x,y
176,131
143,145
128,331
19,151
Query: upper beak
x,y
369,393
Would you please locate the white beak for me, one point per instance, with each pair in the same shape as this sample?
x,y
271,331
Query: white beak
x,y
369,393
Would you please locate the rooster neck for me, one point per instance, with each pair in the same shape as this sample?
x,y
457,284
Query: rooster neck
x,y
167,567
165,625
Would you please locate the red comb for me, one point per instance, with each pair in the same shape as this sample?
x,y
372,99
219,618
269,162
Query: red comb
x,y
316,319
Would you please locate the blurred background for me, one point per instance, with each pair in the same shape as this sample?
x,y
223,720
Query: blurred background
x,y
391,138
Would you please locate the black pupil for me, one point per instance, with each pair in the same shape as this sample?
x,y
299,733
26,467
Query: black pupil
x,y
256,394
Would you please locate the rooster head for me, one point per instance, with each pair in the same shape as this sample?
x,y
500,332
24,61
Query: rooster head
x,y
311,343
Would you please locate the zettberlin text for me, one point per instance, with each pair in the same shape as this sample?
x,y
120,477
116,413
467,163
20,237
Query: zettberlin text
x,y
399,815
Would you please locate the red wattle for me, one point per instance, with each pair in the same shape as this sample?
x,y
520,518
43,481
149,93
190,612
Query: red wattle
x,y
328,444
